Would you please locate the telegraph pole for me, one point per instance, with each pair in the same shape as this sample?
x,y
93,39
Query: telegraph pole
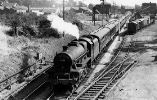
x,y
63,10
103,5
102,10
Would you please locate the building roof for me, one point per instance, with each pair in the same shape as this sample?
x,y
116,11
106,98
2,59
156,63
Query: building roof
x,y
67,8
8,5
86,9
105,3
20,7
75,8
128,7
99,9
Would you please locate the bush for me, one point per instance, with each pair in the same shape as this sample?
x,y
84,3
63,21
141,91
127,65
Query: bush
x,y
49,32
44,24
29,25
28,30
10,33
46,29
20,19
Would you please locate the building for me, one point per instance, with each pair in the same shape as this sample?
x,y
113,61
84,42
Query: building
x,y
131,9
100,10
8,5
20,9
149,8
85,10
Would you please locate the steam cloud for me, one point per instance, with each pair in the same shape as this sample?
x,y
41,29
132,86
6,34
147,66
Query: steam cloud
x,y
3,39
62,26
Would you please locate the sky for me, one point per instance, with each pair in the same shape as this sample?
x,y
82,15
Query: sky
x,y
121,2
118,2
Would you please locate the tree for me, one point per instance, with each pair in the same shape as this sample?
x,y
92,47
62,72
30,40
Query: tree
x,y
90,6
71,3
26,2
2,0
81,4
16,1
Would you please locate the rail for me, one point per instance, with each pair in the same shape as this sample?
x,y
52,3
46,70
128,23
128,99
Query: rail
x,y
101,83
22,74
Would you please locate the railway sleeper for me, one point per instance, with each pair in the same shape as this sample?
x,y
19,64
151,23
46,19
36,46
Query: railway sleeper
x,y
123,71
110,66
110,86
8,87
89,92
107,88
120,75
74,95
104,82
106,78
86,85
98,85
112,72
94,89
101,83
104,92
124,66
87,96
82,98
113,83
101,97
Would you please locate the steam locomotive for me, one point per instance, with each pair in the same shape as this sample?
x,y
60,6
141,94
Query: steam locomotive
x,y
71,65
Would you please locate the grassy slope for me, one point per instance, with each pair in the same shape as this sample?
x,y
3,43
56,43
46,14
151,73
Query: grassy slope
x,y
23,50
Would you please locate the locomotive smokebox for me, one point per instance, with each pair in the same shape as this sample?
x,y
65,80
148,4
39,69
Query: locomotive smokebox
x,y
65,48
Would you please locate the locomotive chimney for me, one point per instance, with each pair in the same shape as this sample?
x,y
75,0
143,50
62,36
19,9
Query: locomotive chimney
x,y
65,48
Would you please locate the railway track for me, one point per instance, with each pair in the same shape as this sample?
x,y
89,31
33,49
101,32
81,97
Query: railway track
x,y
15,83
103,82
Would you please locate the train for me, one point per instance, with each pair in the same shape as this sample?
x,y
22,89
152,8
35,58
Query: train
x,y
136,25
76,59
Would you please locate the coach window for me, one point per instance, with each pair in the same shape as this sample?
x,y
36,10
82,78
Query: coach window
x,y
85,56
78,61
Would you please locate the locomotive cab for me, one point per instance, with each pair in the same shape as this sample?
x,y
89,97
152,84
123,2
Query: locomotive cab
x,y
93,45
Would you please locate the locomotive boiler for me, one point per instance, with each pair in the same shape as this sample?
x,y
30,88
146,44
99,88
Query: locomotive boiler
x,y
71,65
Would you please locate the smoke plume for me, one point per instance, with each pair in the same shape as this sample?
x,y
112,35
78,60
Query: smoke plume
x,y
3,40
62,26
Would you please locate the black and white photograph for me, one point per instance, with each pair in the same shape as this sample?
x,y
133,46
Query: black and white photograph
x,y
78,50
